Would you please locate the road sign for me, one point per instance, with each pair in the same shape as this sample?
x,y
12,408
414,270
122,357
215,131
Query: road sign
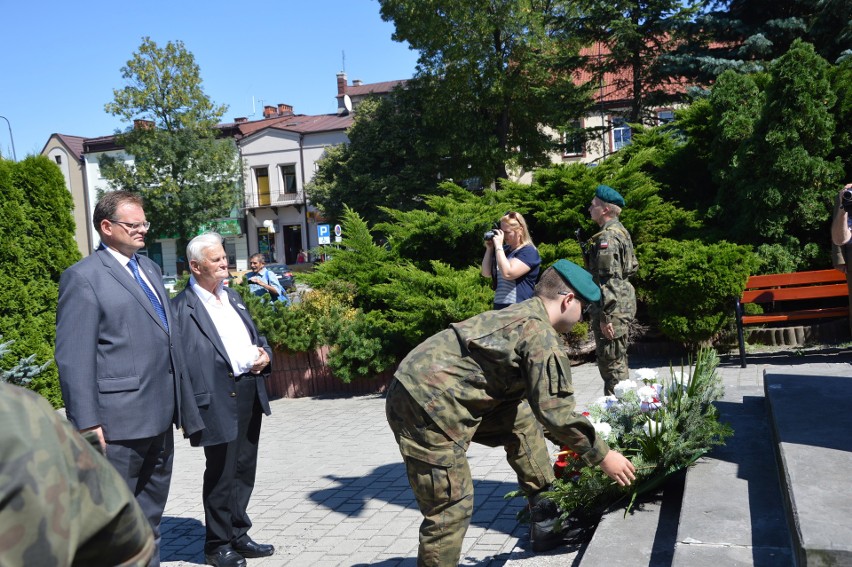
x,y
338,231
323,234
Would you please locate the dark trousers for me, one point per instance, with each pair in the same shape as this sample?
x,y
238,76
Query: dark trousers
x,y
230,473
146,466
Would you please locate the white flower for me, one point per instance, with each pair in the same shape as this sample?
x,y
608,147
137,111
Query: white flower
x,y
606,402
602,428
647,393
652,428
623,387
680,377
646,375
680,381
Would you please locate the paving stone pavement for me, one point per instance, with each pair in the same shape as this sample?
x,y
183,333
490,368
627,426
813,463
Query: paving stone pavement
x,y
331,489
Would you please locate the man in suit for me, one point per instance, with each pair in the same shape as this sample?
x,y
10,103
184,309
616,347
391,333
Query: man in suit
x,y
227,375
118,358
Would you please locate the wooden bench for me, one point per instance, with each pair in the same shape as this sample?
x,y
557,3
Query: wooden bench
x,y
776,288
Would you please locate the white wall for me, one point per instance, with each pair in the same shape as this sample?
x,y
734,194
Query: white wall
x,y
270,148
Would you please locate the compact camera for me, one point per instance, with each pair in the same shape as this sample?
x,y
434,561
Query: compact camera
x,y
490,234
846,200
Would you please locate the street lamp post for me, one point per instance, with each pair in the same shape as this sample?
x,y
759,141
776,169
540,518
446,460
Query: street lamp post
x,y
14,155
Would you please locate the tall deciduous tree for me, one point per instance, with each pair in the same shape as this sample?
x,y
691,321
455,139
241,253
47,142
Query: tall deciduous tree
x,y
186,175
635,38
490,74
390,161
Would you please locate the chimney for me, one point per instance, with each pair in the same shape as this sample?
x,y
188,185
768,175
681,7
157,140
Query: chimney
x,y
284,109
241,119
140,124
341,84
357,82
268,111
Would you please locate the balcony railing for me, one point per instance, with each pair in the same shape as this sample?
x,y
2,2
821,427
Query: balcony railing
x,y
275,199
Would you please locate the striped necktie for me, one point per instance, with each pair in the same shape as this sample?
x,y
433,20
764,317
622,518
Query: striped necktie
x,y
152,297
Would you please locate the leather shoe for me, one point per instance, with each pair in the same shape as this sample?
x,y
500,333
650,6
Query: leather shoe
x,y
250,548
225,556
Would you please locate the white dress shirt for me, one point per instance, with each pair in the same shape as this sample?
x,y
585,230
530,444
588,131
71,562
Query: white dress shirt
x,y
230,326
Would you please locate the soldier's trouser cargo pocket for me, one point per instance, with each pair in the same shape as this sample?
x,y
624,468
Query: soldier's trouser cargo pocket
x,y
439,476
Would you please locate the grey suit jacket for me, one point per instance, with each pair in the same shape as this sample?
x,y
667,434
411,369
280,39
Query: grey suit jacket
x,y
118,367
209,367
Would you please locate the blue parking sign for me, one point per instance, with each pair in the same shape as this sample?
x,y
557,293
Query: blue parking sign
x,y
323,234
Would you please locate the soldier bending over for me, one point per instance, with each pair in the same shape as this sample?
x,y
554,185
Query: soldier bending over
x,y
491,379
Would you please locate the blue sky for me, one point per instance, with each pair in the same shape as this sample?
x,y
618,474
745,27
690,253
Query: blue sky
x,y
60,61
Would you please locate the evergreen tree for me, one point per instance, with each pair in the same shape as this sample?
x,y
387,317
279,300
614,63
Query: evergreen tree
x,y
841,83
780,176
187,176
746,35
36,246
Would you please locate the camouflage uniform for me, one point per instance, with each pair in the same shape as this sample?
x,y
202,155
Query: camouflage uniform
x,y
489,379
611,261
61,502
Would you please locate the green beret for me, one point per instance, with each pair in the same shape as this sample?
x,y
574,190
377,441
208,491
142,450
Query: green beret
x,y
579,280
609,195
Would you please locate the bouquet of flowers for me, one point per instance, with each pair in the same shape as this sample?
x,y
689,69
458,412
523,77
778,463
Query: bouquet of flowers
x,y
662,424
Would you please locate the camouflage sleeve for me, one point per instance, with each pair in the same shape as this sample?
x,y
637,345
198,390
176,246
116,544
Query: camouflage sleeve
x,y
614,254
62,502
550,393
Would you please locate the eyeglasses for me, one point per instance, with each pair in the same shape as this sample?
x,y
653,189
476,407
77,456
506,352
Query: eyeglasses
x,y
133,225
511,214
586,307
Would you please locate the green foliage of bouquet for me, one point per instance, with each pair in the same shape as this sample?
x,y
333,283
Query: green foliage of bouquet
x,y
661,425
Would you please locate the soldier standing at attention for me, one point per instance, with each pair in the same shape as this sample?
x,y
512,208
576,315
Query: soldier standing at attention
x,y
491,379
611,261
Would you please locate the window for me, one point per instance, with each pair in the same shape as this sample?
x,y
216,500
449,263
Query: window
x,y
665,116
620,133
58,160
261,176
288,178
573,139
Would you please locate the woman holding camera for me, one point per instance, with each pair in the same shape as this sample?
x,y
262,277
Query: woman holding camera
x,y
512,260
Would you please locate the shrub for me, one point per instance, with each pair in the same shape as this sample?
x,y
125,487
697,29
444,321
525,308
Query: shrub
x,y
690,286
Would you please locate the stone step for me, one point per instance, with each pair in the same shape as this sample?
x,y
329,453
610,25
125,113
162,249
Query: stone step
x,y
732,512
728,511
811,423
644,536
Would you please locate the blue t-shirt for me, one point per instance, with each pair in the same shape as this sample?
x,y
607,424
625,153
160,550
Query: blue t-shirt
x,y
515,291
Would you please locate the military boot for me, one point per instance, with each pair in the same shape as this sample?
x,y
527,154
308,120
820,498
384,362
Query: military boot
x,y
576,528
544,515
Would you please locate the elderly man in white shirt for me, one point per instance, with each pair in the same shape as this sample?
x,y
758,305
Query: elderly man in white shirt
x,y
227,363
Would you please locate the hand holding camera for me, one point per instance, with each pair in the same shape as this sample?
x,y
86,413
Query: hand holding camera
x,y
488,237
846,199
494,237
